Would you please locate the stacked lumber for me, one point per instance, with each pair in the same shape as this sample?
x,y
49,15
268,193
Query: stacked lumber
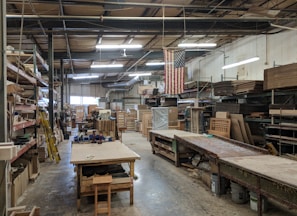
x,y
130,117
230,88
249,86
237,108
121,120
280,77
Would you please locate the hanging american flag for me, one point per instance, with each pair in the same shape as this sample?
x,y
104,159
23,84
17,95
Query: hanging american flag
x,y
174,71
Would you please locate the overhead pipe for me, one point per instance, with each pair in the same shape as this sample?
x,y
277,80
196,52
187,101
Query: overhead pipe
x,y
123,18
123,84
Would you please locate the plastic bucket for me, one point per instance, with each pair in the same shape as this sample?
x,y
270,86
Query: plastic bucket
x,y
215,184
254,202
238,193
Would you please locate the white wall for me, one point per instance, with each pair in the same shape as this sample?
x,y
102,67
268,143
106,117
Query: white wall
x,y
275,49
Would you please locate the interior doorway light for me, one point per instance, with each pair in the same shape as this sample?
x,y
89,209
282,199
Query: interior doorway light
x,y
85,77
154,63
241,63
122,46
199,45
140,74
107,66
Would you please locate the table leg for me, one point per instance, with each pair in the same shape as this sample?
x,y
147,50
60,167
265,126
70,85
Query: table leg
x,y
132,179
78,176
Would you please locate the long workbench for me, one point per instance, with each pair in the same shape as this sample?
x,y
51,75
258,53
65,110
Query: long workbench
x,y
250,166
107,153
163,142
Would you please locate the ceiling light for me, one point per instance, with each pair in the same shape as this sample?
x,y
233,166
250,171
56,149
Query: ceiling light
x,y
123,46
154,63
84,77
241,63
107,66
140,74
192,45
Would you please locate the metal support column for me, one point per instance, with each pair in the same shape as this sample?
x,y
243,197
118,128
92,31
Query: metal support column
x,y
62,85
4,191
51,79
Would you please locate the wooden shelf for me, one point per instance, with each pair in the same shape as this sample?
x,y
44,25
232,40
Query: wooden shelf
x,y
24,149
23,124
13,72
23,107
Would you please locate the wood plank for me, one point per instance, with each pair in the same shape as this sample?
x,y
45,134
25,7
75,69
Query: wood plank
x,y
239,117
283,112
236,131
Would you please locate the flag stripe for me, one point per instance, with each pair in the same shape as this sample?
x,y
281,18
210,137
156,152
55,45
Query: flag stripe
x,y
174,71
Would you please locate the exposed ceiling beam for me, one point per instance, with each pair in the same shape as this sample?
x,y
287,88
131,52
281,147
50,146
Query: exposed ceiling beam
x,y
117,55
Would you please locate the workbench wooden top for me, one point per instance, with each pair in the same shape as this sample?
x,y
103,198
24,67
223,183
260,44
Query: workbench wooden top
x,y
105,152
170,133
272,167
216,147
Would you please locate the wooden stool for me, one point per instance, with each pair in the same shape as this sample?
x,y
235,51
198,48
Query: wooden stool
x,y
102,207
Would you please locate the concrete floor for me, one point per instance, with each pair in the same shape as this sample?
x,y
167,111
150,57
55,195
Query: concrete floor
x,y
161,189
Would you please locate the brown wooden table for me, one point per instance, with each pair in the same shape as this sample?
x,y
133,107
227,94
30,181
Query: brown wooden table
x,y
107,153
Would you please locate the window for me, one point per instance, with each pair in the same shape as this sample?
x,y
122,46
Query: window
x,y
74,100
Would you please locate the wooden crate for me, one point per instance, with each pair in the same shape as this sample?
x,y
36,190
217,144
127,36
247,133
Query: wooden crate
x,y
220,126
121,121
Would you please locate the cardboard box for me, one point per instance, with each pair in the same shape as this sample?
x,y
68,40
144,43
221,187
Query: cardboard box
x,y
224,115
172,116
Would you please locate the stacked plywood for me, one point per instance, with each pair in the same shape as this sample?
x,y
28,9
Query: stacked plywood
x,y
281,77
230,88
146,123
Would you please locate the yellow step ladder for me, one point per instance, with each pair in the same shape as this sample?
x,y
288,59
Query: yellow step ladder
x,y
52,149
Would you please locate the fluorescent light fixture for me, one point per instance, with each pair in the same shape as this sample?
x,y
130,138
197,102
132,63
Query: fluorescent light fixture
x,y
241,63
154,63
193,45
140,74
122,46
84,77
107,66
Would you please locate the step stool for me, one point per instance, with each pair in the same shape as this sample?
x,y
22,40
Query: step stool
x,y
104,181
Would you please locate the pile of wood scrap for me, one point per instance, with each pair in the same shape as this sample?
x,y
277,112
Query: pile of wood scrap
x,y
281,77
235,87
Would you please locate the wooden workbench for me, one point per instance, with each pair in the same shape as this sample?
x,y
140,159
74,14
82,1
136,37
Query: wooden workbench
x,y
107,153
250,166
219,147
164,143
267,175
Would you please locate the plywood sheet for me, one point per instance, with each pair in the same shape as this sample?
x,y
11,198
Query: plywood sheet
x,y
170,133
239,117
105,152
273,167
236,131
